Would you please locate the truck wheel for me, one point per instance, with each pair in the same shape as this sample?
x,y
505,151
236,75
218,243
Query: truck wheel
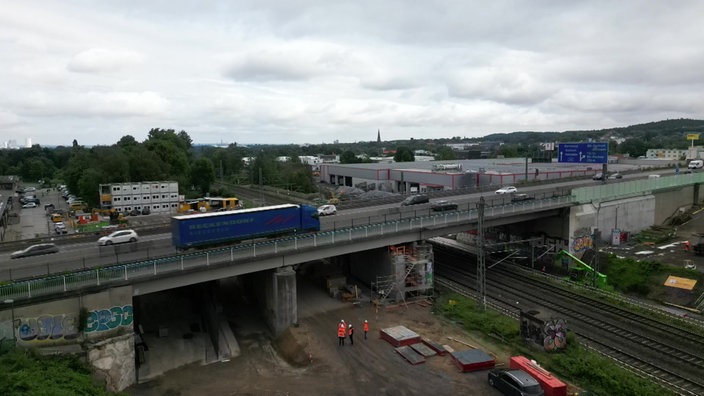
x,y
491,381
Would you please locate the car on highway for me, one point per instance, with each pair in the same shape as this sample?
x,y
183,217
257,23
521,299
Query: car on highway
x,y
615,175
415,200
29,205
521,197
35,250
443,206
515,383
506,190
121,236
327,210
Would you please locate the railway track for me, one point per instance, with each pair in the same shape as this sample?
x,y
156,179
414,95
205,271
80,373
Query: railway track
x,y
664,351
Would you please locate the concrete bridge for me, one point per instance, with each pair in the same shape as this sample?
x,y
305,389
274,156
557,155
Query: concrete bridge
x,y
95,307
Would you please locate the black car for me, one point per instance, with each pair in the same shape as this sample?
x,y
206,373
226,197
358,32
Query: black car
x,y
443,206
515,383
35,250
598,176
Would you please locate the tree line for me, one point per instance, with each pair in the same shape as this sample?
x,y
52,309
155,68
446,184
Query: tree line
x,y
169,155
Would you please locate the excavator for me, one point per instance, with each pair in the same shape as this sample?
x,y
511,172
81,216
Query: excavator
x,y
586,271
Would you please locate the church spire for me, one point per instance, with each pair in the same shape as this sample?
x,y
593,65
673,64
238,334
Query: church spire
x,y
378,135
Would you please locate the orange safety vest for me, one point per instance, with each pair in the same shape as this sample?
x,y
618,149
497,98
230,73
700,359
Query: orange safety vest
x,y
366,326
341,332
351,330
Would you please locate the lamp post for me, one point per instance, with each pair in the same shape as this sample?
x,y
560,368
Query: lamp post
x,y
12,309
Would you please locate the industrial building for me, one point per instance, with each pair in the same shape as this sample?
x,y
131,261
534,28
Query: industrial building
x,y
427,176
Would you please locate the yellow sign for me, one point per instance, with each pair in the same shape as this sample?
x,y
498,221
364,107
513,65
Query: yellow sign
x,y
692,136
680,283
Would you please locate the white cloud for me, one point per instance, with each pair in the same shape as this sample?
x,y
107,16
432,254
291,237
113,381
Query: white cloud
x,y
300,71
97,60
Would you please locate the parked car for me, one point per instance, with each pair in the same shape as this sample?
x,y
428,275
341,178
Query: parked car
x,y
146,210
35,250
507,190
615,175
134,212
327,210
121,236
415,200
515,383
442,206
60,228
28,199
29,205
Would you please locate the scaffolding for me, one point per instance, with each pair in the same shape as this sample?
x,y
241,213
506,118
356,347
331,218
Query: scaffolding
x,y
412,276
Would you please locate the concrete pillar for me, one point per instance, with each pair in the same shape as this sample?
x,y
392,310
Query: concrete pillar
x,y
283,304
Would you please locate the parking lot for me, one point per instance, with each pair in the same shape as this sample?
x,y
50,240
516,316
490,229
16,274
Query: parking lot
x,y
35,222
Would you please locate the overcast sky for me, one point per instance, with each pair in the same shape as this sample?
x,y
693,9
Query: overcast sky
x,y
308,71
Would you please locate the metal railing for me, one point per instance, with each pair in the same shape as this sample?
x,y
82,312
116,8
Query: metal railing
x,y
157,267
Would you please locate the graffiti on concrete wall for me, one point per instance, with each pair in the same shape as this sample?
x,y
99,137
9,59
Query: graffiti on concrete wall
x,y
65,327
108,319
48,327
582,240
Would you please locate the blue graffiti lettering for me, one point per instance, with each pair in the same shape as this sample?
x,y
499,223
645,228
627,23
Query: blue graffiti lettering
x,y
108,319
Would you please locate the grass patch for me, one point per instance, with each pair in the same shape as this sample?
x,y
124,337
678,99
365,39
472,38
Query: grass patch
x,y
583,368
25,372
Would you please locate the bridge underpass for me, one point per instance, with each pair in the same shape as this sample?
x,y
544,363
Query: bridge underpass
x,y
153,277
207,322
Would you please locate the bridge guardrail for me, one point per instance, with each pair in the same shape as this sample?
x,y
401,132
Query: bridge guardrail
x,y
160,266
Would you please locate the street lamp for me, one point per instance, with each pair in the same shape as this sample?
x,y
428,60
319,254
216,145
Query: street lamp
x,y
12,309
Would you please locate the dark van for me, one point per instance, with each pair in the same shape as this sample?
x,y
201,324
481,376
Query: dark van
x,y
415,200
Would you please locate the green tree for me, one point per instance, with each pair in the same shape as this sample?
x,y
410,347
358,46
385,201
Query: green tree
x,y
444,153
202,175
348,157
404,154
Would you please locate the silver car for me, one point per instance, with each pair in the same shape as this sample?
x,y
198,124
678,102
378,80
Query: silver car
x,y
35,250
121,236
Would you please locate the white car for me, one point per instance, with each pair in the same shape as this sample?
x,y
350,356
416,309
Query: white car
x,y
122,236
507,190
327,210
29,205
60,228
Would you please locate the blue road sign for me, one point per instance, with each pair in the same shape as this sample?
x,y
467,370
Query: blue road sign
x,y
584,153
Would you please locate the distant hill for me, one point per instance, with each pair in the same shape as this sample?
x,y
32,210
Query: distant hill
x,y
667,133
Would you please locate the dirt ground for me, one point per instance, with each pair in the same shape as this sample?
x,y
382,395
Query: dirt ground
x,y
314,364
306,360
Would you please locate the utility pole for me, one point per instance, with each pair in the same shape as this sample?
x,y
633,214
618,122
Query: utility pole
x,y
481,263
597,235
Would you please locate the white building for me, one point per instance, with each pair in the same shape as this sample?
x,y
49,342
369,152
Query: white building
x,y
158,196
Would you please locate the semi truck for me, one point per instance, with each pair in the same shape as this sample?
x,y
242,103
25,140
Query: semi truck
x,y
202,230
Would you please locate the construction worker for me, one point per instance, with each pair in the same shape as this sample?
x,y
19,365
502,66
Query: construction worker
x,y
350,331
365,327
687,245
341,334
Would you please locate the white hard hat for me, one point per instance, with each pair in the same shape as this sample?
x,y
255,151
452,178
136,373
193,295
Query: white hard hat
x,y
365,321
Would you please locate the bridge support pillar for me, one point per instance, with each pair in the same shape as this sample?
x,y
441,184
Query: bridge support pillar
x,y
282,302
